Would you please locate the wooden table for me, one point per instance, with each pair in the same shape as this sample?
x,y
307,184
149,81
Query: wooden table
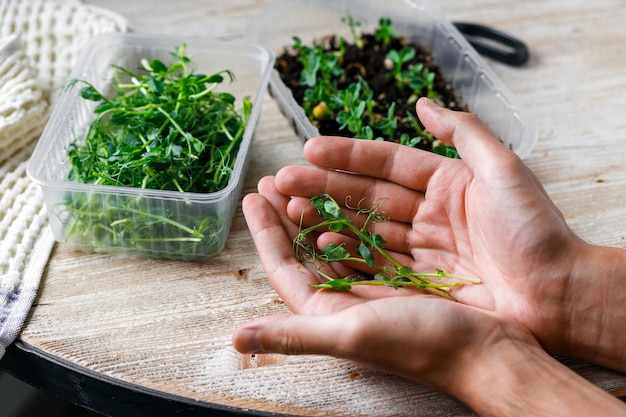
x,y
153,337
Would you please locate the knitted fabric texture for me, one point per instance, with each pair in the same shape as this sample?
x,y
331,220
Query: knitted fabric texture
x,y
53,33
39,43
23,107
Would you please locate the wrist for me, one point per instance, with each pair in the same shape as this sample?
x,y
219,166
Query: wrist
x,y
513,375
486,381
594,308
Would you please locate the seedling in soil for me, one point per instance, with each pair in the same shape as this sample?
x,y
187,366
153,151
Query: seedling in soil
x,y
385,32
354,24
365,89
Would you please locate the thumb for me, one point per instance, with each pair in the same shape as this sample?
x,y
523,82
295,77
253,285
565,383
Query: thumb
x,y
288,334
474,142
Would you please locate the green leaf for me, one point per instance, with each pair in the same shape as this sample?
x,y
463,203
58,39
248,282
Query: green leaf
x,y
407,54
196,144
155,85
332,209
158,66
366,254
343,118
247,107
382,277
132,140
446,150
318,203
409,141
215,78
103,107
227,98
451,152
360,108
393,56
365,234
378,240
335,252
366,133
90,93
337,226
174,150
416,84
297,42
311,62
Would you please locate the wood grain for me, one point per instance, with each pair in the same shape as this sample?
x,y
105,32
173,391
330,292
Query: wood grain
x,y
166,325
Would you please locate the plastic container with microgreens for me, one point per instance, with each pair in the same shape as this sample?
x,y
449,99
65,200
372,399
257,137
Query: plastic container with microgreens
x,y
104,214
421,22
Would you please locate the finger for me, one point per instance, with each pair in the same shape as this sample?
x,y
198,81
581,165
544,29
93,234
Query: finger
x,y
290,335
488,157
288,277
291,279
398,202
476,144
278,201
400,164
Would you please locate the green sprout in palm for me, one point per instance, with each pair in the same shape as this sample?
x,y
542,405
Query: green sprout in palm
x,y
370,253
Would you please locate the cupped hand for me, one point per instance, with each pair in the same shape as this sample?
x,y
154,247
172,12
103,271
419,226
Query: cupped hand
x,y
422,337
273,233
450,346
485,216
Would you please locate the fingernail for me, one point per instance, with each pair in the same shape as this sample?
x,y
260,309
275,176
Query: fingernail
x,y
248,341
430,104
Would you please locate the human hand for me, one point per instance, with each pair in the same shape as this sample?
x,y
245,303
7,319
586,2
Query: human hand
x,y
356,324
450,346
485,216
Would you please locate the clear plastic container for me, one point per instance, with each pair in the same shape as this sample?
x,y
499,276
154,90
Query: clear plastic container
x,y
420,21
180,225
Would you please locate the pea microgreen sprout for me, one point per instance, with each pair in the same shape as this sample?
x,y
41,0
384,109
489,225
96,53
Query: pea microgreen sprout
x,y
390,272
420,79
166,128
385,32
397,60
444,149
389,124
417,77
310,59
409,141
353,24
319,70
352,104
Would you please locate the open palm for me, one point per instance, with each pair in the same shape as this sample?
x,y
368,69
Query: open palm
x,y
485,216
400,331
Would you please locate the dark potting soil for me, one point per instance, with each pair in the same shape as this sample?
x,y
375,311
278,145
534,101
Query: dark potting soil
x,y
368,63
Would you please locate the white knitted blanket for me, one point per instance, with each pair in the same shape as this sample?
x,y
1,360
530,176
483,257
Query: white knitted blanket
x,y
39,43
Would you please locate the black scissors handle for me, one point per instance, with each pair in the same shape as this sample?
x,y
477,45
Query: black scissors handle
x,y
494,43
